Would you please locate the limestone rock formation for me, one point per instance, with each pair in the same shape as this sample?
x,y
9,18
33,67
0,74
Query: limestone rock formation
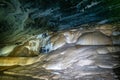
x,y
73,62
94,38
65,55
59,39
5,51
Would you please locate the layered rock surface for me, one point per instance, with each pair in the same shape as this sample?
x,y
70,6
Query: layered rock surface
x,y
65,55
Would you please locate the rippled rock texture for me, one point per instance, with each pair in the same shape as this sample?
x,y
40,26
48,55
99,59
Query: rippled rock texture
x,y
88,54
59,39
28,17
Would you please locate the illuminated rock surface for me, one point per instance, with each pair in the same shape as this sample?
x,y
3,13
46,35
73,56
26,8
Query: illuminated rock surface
x,y
59,39
65,60
73,62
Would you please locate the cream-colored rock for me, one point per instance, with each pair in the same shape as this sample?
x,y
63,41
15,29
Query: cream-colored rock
x,y
94,38
62,59
5,51
29,48
106,29
59,39
85,58
85,62
58,44
56,41
103,50
55,37
72,36
107,32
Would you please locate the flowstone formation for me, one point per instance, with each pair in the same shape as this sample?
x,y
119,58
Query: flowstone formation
x,y
75,54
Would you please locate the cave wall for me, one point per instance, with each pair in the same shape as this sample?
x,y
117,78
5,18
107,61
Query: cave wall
x,y
20,18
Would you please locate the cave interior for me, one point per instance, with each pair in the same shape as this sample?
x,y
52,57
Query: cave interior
x,y
59,39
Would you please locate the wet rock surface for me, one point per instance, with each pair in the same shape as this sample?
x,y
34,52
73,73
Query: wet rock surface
x,y
72,63
66,60
59,39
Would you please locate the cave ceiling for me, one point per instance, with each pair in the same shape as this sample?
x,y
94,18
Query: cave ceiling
x,y
33,17
59,14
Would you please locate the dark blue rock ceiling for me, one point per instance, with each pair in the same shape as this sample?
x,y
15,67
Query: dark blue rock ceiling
x,y
69,13
64,14
31,16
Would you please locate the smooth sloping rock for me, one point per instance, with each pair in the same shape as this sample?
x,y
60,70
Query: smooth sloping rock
x,y
71,63
11,61
94,38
